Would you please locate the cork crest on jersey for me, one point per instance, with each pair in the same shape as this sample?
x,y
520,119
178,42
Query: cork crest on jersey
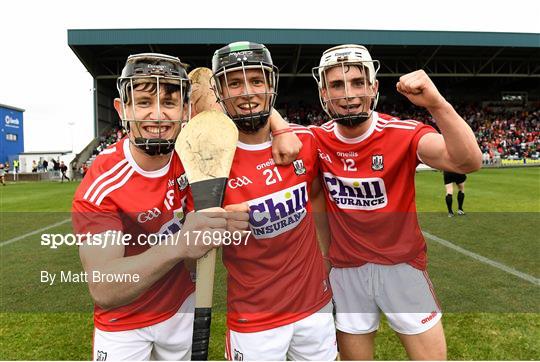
x,y
299,168
356,193
182,182
377,162
276,213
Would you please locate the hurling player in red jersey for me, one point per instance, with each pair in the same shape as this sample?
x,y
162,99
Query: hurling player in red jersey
x,y
136,189
278,297
368,161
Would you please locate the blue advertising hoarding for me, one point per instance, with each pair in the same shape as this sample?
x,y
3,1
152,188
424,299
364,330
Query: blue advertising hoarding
x,y
12,134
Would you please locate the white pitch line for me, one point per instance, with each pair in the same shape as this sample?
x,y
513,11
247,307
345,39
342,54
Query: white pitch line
x,y
483,259
4,243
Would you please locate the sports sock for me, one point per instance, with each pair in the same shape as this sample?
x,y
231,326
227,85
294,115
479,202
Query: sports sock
x,y
449,202
460,198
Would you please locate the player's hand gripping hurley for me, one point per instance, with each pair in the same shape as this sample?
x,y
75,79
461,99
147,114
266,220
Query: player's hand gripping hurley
x,y
206,147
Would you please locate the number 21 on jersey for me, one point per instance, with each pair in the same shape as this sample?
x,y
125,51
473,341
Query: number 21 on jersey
x,y
272,176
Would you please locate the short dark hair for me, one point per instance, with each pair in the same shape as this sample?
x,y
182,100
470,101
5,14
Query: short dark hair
x,y
152,89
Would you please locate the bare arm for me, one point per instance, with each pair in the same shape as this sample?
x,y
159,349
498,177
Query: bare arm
x,y
456,149
318,204
286,146
150,265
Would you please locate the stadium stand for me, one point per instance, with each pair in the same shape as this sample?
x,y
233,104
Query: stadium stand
x,y
491,77
502,133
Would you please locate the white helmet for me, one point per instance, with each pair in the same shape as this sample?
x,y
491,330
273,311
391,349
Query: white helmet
x,y
346,55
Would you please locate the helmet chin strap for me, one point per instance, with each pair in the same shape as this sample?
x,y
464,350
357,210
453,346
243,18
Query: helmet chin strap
x,y
154,146
151,146
252,123
352,121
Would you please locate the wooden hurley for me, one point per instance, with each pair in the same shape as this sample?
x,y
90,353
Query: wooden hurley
x,y
206,146
202,95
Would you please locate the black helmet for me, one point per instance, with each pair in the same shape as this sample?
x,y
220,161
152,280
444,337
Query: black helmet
x,y
245,55
168,74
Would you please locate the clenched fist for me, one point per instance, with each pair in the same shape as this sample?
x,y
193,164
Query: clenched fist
x,y
420,90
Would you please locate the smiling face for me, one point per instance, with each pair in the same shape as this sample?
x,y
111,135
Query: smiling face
x,y
245,94
245,82
347,91
152,115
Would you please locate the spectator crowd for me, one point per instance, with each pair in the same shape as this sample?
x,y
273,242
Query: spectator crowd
x,y
113,135
501,132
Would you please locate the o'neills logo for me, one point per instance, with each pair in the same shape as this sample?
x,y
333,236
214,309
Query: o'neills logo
x,y
430,317
356,193
279,212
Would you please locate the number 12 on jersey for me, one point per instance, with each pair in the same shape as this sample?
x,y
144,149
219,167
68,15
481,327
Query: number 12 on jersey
x,y
348,164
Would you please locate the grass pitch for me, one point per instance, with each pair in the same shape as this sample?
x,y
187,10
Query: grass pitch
x,y
490,314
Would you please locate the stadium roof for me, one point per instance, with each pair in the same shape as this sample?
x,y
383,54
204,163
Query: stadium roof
x,y
512,60
11,107
300,36
296,51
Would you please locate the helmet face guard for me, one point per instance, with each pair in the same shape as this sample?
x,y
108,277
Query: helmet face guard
x,y
154,93
349,107
242,58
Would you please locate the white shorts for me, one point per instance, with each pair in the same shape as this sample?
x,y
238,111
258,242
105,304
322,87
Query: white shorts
x,y
403,293
169,340
311,338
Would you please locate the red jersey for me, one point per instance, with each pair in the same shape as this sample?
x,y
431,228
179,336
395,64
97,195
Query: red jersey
x,y
117,194
370,194
277,276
